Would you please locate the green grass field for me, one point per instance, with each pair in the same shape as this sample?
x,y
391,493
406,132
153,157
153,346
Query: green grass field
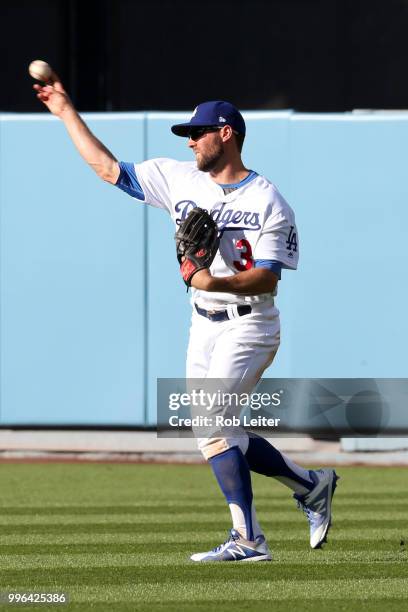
x,y
118,537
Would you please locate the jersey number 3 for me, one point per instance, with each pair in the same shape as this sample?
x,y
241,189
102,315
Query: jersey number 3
x,y
247,261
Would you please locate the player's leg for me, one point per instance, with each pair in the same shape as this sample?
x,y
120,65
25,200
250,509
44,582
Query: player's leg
x,y
239,367
266,459
226,458
246,541
313,489
236,368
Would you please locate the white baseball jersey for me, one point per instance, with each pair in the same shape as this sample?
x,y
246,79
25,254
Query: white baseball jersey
x,y
255,221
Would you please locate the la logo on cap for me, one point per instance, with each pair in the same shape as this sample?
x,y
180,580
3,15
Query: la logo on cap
x,y
222,119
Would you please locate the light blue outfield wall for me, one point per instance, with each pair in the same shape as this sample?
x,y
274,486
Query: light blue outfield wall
x,y
93,310
71,279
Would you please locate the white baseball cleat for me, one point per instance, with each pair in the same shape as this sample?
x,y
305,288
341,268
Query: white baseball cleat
x,y
317,505
237,548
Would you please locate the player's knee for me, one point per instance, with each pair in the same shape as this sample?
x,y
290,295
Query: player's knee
x,y
215,446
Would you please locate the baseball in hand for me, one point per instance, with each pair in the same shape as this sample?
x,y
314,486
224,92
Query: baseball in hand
x,y
40,70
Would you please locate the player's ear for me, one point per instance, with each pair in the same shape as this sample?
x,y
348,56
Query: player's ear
x,y
226,133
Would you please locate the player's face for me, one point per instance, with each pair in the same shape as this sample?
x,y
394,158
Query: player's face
x,y
208,148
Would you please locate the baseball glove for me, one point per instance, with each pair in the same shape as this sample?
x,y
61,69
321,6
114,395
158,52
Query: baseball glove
x,y
197,242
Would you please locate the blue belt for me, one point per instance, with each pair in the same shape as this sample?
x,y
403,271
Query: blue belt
x,y
222,315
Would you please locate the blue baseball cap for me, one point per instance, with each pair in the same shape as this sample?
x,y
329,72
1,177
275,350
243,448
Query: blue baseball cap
x,y
214,113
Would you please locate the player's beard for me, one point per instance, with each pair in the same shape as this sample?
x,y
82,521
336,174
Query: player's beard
x,y
210,159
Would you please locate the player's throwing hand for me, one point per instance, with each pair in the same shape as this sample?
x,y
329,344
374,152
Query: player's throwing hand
x,y
54,96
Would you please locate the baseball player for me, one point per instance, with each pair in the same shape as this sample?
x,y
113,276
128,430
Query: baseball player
x,y
234,332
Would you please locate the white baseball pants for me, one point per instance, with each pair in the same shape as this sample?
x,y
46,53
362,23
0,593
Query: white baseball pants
x,y
235,353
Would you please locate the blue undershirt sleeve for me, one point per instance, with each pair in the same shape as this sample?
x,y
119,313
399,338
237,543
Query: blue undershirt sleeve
x,y
269,264
128,181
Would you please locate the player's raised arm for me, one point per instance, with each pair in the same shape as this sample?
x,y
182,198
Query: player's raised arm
x,y
94,152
